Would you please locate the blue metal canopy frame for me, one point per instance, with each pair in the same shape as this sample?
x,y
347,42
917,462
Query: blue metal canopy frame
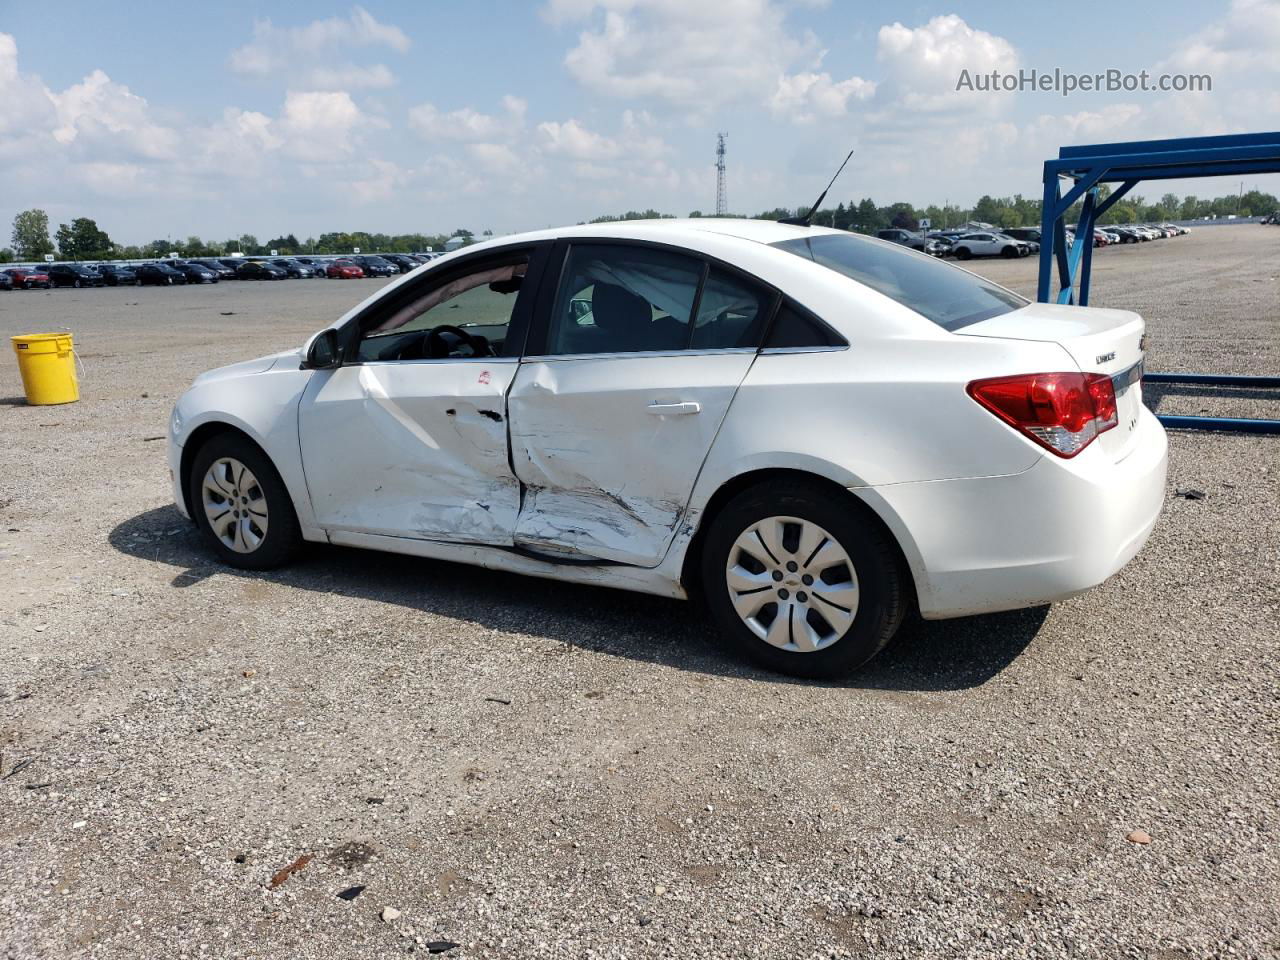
x,y
1087,167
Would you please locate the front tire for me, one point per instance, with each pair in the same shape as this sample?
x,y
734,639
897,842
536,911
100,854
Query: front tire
x,y
801,581
241,504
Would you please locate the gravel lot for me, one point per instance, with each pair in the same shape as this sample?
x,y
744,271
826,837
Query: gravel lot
x,y
540,770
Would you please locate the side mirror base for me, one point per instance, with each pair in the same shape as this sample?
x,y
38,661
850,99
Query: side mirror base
x,y
323,353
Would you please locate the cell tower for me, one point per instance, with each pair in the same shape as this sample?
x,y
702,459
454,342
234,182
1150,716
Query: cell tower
x,y
722,205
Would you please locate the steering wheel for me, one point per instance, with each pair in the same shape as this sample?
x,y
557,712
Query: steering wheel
x,y
434,345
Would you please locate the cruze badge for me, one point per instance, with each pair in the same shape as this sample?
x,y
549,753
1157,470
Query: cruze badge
x,y
1105,357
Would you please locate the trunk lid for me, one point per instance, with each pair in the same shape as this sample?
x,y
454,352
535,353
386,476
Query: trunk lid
x,y
1098,340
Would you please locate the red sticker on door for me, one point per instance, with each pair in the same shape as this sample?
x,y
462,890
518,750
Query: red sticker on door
x,y
484,376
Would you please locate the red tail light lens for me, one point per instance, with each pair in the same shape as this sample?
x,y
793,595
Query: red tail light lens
x,y
1062,412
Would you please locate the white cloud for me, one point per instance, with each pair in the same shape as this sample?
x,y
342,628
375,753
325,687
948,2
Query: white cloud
x,y
348,77
380,183
467,125
571,139
28,109
633,145
515,107
320,126
496,158
923,65
1246,39
692,55
805,97
307,53
101,114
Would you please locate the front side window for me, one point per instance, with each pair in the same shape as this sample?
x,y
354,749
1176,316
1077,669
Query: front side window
x,y
619,299
948,296
466,315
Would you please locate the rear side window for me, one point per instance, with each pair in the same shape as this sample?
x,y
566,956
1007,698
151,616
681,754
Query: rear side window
x,y
794,326
731,312
620,299
950,297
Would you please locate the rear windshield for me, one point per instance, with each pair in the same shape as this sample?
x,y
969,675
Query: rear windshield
x,y
950,297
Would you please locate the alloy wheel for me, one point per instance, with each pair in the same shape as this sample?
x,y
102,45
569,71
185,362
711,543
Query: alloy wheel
x,y
792,584
235,505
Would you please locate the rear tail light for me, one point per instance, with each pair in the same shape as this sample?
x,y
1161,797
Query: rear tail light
x,y
1062,412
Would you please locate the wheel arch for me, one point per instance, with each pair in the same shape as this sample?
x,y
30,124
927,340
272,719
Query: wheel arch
x,y
200,436
894,531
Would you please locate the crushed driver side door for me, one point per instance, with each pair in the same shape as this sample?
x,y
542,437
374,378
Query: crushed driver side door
x,y
408,437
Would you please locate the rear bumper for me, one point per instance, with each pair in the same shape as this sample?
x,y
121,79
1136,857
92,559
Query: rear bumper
x,y
1049,533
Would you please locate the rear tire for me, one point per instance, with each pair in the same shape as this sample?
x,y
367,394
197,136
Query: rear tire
x,y
963,253
813,558
263,533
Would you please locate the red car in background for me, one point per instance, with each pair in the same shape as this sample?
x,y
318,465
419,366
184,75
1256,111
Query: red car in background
x,y
343,270
28,277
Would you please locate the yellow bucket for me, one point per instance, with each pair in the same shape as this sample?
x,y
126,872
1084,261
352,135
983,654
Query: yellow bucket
x,y
48,365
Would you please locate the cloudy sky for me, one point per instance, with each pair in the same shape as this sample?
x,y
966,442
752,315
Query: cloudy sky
x,y
270,118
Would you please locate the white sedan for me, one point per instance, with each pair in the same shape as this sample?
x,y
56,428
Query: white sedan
x,y
813,431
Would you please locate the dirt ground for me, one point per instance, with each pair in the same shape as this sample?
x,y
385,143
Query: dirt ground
x,y
530,769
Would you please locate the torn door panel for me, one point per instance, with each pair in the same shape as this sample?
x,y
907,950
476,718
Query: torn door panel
x,y
607,472
593,522
416,449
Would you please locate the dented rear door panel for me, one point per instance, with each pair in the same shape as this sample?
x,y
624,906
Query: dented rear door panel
x,y
412,449
608,447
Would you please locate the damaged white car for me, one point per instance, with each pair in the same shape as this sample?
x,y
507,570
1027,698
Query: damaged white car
x,y
813,431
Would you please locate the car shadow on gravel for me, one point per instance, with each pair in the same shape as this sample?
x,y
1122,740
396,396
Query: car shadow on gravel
x,y
926,656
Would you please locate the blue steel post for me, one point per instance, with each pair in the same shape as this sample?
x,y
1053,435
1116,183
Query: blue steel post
x,y
1048,224
1084,233
1127,164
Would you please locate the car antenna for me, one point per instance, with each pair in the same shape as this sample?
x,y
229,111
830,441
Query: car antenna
x,y
807,219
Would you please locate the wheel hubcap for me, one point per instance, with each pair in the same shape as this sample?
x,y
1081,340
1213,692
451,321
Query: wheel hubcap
x,y
235,505
792,583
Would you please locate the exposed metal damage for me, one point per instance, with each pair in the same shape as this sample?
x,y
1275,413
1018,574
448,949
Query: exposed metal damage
x,y
432,453
607,456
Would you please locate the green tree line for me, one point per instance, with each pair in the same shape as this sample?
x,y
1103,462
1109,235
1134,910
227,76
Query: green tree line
x,y
82,239
866,216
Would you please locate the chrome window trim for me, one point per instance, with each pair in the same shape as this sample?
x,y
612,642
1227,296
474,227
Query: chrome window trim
x,y
487,360
643,354
770,351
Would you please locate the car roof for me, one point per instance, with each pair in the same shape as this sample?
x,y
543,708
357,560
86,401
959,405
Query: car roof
x,y
668,230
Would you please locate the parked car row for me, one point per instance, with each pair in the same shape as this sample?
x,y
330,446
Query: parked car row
x,y
1134,233
1014,242
209,270
963,244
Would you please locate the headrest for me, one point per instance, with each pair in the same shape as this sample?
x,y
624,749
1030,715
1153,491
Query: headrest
x,y
617,308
